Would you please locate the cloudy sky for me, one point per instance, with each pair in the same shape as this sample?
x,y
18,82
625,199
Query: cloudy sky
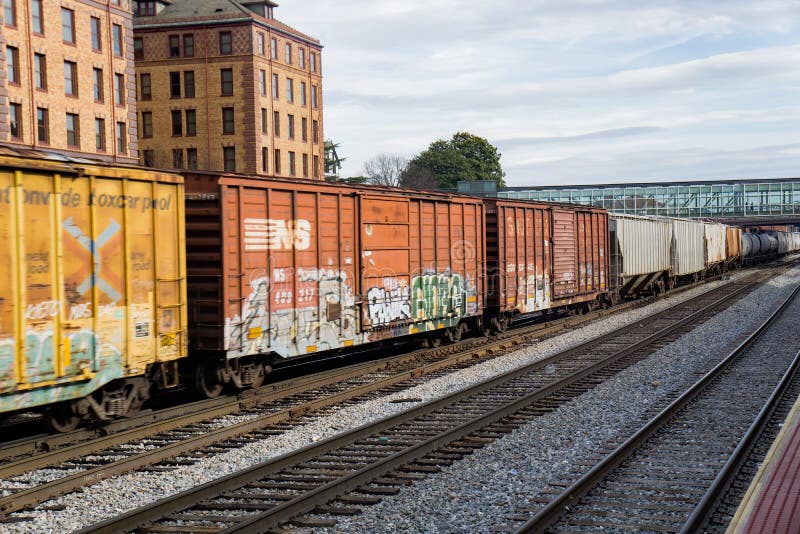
x,y
570,91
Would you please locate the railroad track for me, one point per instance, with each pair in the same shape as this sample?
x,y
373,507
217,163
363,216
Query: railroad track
x,y
339,474
673,473
153,440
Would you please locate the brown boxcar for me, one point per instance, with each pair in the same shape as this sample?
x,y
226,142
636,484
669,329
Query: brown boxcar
x,y
541,256
289,267
733,242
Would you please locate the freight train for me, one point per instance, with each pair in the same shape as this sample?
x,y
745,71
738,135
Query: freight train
x,y
121,280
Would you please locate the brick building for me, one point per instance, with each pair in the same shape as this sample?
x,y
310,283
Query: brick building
x,y
222,85
67,81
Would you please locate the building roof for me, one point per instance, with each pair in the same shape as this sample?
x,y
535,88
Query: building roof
x,y
194,12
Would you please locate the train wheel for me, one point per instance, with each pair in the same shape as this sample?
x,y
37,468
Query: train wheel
x,y
454,333
259,375
207,382
61,417
434,339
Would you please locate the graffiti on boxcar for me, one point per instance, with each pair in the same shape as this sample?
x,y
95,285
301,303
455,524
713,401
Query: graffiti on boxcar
x,y
325,321
389,302
94,246
276,234
438,295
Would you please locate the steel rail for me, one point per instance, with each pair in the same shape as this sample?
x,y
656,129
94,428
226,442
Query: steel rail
x,y
550,514
711,499
30,497
337,488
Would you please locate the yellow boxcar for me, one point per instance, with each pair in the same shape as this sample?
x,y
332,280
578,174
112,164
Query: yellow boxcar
x,y
93,302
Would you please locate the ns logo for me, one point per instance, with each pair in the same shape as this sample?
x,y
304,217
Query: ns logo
x,y
276,234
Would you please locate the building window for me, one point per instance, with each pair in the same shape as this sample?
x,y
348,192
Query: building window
x,y
177,123
148,158
277,163
191,122
260,43
303,101
316,167
289,90
229,155
191,158
275,92
226,79
174,45
263,120
315,131
288,53
188,45
273,48
100,134
147,124
42,125
188,83
305,165
97,84
73,130
12,64
67,25
313,61
70,78
290,125
228,124
116,37
177,158
175,84
291,164
264,159
262,82
138,48
119,89
122,138
146,86
10,12
225,43
304,129
97,42
37,24
145,8
301,57
314,96
15,120
276,124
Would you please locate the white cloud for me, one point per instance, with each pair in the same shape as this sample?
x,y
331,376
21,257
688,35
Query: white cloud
x,y
626,85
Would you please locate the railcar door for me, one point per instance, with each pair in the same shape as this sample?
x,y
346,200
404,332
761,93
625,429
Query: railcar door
x,y
385,261
564,253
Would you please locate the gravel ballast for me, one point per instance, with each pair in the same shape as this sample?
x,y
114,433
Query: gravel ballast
x,y
500,479
495,479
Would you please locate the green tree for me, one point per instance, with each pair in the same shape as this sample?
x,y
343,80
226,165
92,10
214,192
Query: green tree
x,y
333,163
464,157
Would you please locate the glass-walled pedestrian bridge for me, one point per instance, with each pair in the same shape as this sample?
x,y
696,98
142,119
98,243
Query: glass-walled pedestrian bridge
x,y
728,199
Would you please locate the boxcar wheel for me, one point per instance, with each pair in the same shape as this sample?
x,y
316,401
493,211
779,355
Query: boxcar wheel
x,y
207,382
62,418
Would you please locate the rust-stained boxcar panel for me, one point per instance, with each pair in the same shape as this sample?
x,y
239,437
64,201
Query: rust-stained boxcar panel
x,y
93,292
289,267
542,255
733,248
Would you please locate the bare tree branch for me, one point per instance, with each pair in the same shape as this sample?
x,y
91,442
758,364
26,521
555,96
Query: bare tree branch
x,y
385,169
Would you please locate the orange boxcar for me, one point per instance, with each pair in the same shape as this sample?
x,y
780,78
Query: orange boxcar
x,y
288,267
542,256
